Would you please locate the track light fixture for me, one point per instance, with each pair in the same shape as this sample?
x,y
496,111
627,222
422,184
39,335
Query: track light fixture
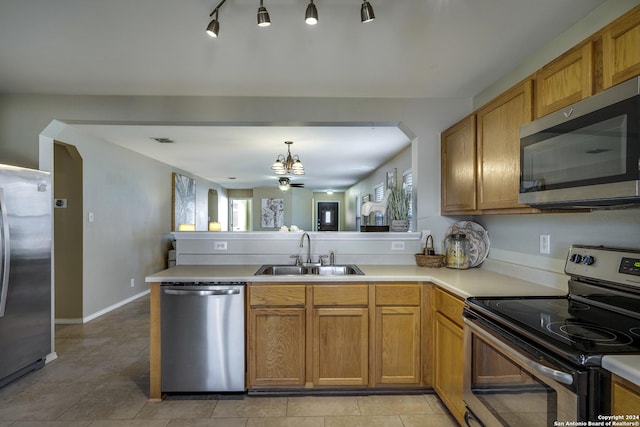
x,y
214,26
263,16
366,12
311,15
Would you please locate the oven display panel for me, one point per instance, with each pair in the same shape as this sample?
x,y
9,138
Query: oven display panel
x,y
630,266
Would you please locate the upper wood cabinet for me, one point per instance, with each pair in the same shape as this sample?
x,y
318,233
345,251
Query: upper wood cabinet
x,y
458,157
498,139
568,79
620,49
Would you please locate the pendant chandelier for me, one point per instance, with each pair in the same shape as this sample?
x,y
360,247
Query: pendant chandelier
x,y
288,164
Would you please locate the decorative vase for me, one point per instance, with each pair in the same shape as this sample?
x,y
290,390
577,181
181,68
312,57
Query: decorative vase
x,y
399,225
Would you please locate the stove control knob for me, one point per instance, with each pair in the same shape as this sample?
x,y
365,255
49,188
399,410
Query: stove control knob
x,y
575,258
588,260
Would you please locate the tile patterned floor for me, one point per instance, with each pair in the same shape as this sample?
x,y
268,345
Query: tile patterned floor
x,y
101,379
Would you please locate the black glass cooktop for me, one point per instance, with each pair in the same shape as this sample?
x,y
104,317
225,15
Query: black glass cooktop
x,y
581,332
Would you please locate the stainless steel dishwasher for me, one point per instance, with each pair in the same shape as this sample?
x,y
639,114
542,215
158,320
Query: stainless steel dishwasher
x,y
202,341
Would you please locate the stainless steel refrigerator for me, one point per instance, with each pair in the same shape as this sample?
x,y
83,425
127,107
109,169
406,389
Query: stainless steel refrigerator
x,y
25,271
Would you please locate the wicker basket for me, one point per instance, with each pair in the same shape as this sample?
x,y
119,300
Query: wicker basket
x,y
433,261
429,258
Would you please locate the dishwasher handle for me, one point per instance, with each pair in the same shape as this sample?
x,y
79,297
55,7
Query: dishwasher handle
x,y
202,293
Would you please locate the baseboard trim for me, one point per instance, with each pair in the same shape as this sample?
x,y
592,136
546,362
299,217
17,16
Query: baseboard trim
x,y
70,321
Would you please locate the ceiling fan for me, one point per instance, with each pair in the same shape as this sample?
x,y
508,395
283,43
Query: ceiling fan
x,y
284,183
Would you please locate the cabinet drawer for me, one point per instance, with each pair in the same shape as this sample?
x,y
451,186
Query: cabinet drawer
x,y
340,294
449,306
398,294
277,295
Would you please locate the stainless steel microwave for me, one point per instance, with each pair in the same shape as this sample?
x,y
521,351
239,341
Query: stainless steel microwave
x,y
586,155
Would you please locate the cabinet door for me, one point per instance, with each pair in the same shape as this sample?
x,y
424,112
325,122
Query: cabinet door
x,y
341,346
276,349
458,166
449,365
498,140
625,397
566,80
620,52
397,345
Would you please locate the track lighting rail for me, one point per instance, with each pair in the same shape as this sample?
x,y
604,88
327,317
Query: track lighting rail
x,y
217,7
311,16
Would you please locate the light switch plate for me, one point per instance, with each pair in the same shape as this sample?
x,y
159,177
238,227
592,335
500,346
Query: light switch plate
x,y
545,244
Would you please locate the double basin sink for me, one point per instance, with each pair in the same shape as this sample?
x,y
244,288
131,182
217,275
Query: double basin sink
x,y
299,270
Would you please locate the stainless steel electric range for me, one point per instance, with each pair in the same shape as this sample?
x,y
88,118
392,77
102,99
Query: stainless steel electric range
x,y
538,360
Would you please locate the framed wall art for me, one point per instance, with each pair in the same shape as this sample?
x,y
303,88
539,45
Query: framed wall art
x,y
183,202
272,213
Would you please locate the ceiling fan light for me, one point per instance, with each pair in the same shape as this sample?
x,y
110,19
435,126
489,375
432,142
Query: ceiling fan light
x,y
366,12
311,15
263,16
283,184
213,28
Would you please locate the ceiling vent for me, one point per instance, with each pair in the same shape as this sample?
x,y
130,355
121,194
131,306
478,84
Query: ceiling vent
x,y
163,140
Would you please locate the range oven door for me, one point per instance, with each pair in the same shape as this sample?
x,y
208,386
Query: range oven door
x,y
509,385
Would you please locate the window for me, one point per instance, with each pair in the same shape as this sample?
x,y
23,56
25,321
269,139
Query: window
x,y
407,183
378,195
240,214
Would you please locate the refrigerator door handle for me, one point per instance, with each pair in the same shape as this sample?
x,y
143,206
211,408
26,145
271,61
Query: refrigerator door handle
x,y
5,252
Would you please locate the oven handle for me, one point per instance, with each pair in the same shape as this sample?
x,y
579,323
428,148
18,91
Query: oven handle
x,y
557,375
561,377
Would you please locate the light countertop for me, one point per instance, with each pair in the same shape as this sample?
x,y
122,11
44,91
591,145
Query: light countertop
x,y
464,283
625,366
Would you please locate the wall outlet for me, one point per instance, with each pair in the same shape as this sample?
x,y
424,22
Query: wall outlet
x,y
133,283
397,246
424,235
91,217
545,244
220,246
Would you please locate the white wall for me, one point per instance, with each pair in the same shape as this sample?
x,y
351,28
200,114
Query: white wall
x,y
400,162
515,238
110,265
23,117
129,196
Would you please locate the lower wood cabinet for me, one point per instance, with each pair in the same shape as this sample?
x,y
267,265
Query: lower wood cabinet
x,y
276,335
448,352
338,335
625,398
278,347
398,334
341,346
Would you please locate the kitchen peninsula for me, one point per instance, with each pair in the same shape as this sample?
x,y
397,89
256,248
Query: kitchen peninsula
x,y
405,298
